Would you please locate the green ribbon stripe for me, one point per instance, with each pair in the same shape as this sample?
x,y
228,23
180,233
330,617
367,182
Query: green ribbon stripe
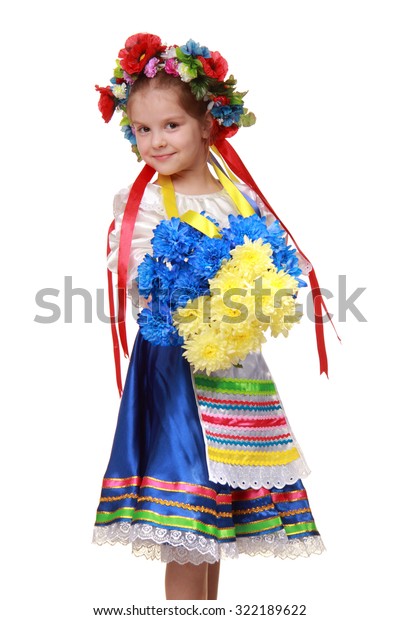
x,y
299,528
235,386
258,526
185,522
121,513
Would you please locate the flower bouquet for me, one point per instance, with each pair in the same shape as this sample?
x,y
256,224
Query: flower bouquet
x,y
216,297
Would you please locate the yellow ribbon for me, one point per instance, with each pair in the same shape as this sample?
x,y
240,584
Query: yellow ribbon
x,y
195,219
168,194
191,217
239,200
228,171
201,223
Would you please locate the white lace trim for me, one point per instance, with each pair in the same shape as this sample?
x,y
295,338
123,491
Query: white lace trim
x,y
167,545
158,207
256,477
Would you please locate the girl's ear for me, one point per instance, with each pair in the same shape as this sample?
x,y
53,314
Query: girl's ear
x,y
207,125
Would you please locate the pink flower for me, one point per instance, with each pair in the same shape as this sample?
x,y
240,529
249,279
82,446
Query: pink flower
x,y
151,68
128,79
171,66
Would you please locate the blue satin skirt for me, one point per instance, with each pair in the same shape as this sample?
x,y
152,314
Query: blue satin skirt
x,y
156,492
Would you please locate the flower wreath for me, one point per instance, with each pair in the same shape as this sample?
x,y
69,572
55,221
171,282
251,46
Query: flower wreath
x,y
196,65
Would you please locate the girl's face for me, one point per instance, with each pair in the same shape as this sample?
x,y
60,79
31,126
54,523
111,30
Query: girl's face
x,y
168,138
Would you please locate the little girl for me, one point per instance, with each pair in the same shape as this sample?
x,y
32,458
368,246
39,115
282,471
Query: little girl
x,y
203,465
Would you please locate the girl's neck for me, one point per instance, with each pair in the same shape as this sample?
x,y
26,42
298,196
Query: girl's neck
x,y
196,182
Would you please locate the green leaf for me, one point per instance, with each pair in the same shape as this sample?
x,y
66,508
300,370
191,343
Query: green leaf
x,y
124,121
247,120
219,88
236,100
230,81
118,72
136,151
180,55
200,87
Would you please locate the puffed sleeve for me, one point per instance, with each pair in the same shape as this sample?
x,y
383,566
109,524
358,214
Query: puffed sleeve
x,y
304,264
147,219
149,216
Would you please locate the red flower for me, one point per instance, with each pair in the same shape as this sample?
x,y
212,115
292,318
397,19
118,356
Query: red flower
x,y
139,48
215,67
219,132
221,100
106,102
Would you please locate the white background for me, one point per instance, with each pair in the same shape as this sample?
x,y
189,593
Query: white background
x,y
323,80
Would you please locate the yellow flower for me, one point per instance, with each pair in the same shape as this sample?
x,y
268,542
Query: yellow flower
x,y
207,351
230,308
242,341
190,319
283,320
251,259
227,279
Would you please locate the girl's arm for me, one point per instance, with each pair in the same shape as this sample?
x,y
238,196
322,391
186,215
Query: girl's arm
x,y
147,220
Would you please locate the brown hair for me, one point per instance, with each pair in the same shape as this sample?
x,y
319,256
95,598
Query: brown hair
x,y
164,81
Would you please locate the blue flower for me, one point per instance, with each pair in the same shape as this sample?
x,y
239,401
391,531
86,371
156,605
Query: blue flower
x,y
228,114
187,285
147,272
128,134
165,282
158,329
208,257
195,49
286,259
254,227
173,241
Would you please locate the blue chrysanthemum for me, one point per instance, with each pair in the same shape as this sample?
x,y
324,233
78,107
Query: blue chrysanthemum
x,y
174,240
157,328
254,227
187,285
286,259
166,281
195,49
147,273
208,257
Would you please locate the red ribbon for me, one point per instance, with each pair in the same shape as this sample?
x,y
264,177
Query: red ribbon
x,y
239,169
127,227
114,334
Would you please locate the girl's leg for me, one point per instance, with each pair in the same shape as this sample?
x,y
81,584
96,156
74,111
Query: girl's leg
x,y
186,582
212,581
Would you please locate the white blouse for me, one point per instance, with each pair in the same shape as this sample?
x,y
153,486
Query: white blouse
x,y
218,205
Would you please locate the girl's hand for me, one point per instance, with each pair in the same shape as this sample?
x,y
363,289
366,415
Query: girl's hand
x,y
144,301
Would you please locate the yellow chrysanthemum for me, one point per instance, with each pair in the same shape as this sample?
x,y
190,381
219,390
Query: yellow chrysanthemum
x,y
242,341
190,319
251,259
208,351
282,321
273,295
232,308
226,280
